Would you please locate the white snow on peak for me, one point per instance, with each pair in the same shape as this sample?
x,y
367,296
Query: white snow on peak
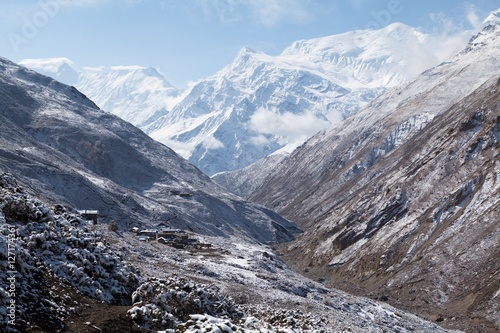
x,y
51,64
61,69
493,18
261,103
137,94
375,58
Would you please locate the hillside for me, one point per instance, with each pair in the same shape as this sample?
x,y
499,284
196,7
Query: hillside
x,y
260,103
58,142
63,274
399,201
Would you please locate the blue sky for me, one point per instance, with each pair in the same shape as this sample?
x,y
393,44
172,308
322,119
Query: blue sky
x,y
191,39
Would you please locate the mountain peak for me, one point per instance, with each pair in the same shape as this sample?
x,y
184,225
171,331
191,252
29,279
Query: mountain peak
x,y
244,54
48,63
247,50
493,18
61,69
138,94
111,165
400,30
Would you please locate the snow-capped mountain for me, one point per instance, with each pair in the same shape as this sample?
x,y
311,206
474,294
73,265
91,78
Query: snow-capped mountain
x,y
261,103
61,69
402,198
139,95
58,142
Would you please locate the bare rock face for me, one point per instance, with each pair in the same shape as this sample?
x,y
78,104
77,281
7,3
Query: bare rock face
x,y
401,200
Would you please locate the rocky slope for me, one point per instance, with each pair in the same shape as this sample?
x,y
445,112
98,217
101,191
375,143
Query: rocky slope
x,y
245,181
62,274
58,142
400,201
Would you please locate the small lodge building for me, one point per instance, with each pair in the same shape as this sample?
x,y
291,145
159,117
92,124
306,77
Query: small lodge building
x,y
174,237
151,233
89,215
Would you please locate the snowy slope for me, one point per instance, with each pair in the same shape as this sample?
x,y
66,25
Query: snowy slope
x,y
401,198
137,94
260,103
73,277
58,142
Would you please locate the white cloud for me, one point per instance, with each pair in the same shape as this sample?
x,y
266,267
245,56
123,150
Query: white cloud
x,y
444,24
260,140
267,12
212,143
184,149
473,19
272,12
290,127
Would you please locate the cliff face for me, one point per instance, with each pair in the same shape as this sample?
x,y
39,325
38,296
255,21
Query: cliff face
x,y
400,200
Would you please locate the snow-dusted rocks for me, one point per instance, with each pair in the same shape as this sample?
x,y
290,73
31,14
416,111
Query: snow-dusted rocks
x,y
164,304
53,247
253,290
70,274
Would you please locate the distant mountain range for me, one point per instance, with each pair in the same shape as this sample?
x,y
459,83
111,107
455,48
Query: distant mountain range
x,y
259,103
59,153
398,202
137,94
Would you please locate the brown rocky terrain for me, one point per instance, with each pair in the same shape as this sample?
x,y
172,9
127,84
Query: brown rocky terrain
x,y
401,201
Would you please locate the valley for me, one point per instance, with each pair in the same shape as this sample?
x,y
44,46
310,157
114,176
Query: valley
x,y
381,216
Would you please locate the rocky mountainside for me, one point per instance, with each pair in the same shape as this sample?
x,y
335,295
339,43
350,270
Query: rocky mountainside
x,y
58,152
139,95
55,140
401,200
260,103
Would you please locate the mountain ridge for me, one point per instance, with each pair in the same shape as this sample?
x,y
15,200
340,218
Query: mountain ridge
x,y
254,101
137,94
75,153
408,183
